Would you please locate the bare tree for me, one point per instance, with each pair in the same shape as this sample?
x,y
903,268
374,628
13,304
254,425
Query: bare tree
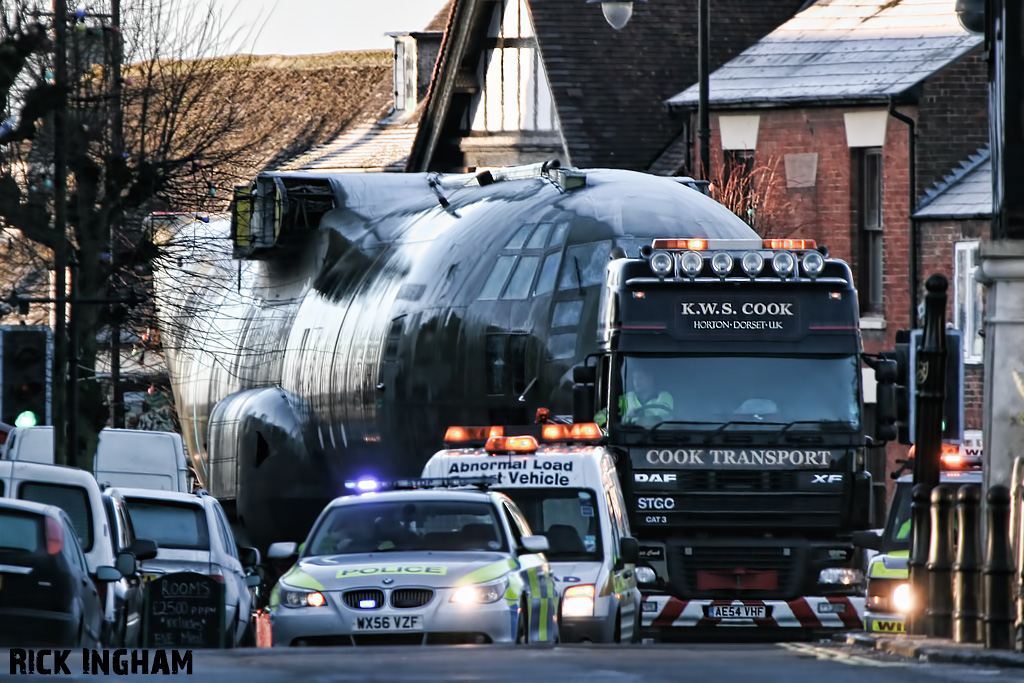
x,y
757,194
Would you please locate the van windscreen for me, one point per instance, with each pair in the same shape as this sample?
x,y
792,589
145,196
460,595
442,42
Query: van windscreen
x,y
170,524
74,500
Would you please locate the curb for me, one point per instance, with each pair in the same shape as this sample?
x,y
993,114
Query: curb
x,y
930,651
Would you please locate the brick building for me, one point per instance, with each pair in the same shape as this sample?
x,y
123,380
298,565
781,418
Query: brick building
x,y
831,97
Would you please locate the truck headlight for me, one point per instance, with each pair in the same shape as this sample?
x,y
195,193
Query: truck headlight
x,y
690,262
578,601
813,264
290,598
661,263
752,263
902,599
841,575
721,263
784,263
480,593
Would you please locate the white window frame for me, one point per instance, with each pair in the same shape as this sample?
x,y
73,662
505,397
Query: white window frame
x,y
968,306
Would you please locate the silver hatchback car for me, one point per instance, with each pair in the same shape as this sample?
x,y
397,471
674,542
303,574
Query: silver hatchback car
x,y
192,534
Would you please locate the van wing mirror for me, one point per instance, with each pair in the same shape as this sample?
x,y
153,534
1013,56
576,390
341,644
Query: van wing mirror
x,y
629,550
249,557
107,574
144,549
870,539
126,563
282,550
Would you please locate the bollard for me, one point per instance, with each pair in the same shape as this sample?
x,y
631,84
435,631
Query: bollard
x,y
917,564
997,574
939,613
967,568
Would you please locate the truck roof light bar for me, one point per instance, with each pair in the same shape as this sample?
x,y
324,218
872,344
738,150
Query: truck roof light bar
x,y
790,244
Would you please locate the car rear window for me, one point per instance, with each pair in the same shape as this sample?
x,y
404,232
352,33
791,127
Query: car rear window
x,y
170,524
74,500
20,532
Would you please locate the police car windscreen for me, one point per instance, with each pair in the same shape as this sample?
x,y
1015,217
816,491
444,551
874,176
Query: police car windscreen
x,y
408,526
709,391
568,517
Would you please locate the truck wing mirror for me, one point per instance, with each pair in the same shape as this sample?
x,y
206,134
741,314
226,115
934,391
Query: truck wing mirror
x,y
870,539
584,374
249,557
143,549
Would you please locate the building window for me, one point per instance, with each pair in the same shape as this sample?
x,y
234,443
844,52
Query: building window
x,y
869,213
968,300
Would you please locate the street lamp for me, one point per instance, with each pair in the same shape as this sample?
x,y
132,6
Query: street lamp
x,y
616,12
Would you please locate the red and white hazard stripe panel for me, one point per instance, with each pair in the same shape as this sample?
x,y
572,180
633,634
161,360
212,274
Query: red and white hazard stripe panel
x,y
806,612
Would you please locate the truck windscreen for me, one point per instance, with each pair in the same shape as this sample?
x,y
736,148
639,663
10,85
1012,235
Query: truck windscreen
x,y
736,393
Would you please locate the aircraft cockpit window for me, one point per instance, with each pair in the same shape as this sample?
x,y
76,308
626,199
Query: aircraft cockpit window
x,y
540,236
546,280
584,264
496,280
522,278
519,239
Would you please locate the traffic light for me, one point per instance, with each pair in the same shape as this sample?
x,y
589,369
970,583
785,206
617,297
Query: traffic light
x,y
904,387
25,368
905,355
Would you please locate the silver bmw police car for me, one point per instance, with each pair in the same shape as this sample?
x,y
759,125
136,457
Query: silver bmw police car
x,y
421,566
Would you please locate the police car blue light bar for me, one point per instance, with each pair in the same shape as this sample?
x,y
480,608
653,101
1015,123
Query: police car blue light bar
x,y
364,485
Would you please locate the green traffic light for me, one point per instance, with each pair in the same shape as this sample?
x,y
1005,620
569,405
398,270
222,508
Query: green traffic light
x,y
26,419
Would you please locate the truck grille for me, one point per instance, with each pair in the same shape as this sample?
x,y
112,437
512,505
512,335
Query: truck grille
x,y
404,598
783,563
354,598
745,480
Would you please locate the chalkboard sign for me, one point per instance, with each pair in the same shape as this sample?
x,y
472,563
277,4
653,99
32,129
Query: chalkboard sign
x,y
184,610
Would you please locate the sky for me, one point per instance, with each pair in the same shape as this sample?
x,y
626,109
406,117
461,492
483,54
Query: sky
x,y
300,27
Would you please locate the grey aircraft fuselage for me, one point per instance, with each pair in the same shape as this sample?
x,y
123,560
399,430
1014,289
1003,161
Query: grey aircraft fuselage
x,y
419,301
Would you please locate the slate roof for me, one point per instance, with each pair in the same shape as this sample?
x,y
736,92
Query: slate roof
x,y
610,86
842,50
965,193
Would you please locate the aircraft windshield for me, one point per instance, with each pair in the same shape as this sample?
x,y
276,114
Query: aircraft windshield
x,y
730,393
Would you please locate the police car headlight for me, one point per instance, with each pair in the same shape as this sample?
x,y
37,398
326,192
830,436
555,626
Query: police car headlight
x,y
290,598
690,263
721,263
661,263
480,593
813,263
578,601
752,263
901,597
784,262
841,575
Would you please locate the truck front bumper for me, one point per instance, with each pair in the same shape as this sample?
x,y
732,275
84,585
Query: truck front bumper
x,y
840,613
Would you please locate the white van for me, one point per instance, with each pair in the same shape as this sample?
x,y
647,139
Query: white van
x,y
29,444
569,491
76,492
134,458
142,459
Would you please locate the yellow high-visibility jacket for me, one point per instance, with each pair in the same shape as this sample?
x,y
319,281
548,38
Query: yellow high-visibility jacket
x,y
659,407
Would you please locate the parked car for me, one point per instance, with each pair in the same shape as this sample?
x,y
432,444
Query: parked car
x,y
128,593
193,534
47,597
76,492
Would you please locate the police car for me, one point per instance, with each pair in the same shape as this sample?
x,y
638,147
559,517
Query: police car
x,y
419,565
888,573
568,489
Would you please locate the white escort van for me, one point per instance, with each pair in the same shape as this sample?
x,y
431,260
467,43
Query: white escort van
x,y
569,491
136,458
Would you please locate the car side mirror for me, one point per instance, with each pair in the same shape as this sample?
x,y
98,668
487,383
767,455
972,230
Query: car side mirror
x,y
252,580
282,550
126,563
869,539
629,550
535,544
143,549
108,574
249,557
